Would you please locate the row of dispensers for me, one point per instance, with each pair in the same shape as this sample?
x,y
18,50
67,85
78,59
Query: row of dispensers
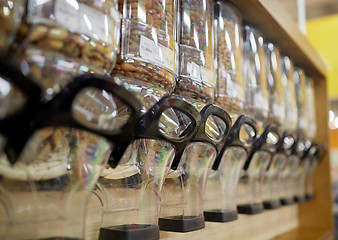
x,y
154,161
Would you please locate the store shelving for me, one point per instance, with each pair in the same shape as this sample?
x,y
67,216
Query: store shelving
x,y
309,220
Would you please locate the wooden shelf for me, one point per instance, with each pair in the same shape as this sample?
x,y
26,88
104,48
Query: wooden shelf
x,y
278,27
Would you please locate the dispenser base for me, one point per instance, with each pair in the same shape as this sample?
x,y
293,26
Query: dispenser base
x,y
274,204
286,201
219,215
180,224
250,208
130,232
309,197
299,199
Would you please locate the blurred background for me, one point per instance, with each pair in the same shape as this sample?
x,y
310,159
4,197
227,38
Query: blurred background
x,y
318,20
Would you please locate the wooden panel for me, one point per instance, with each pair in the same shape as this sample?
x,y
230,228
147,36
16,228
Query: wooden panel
x,y
318,213
280,28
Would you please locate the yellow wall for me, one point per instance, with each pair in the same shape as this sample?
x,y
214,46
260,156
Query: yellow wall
x,y
323,34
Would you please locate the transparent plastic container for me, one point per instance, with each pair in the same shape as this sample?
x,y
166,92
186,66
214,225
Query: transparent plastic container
x,y
195,48
310,108
183,189
131,191
254,73
64,38
220,203
148,42
271,186
314,156
297,182
61,155
287,180
11,13
229,90
57,170
300,82
300,180
250,189
289,95
274,84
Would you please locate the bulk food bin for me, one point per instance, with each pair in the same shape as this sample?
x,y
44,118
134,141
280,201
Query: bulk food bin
x,y
229,94
195,49
61,39
148,42
220,203
313,153
229,89
289,128
57,150
132,189
276,117
183,189
302,128
249,191
256,92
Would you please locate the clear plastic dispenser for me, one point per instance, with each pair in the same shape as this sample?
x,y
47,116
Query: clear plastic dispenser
x,y
183,189
313,155
229,90
57,150
249,193
220,195
300,168
277,173
256,92
285,149
303,128
196,78
148,42
310,134
60,39
300,82
132,188
136,178
289,95
276,117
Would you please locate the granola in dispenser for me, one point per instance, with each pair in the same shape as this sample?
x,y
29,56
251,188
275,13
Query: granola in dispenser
x,y
147,45
196,76
229,92
274,83
289,95
68,38
256,92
